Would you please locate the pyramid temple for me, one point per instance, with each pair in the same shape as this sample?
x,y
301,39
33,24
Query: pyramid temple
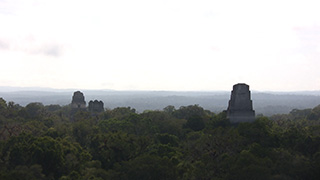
x,y
78,101
240,105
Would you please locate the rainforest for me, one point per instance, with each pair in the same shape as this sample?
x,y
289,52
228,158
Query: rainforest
x,y
189,142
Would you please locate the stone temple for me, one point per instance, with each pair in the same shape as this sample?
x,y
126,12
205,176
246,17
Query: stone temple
x,y
240,104
78,101
96,106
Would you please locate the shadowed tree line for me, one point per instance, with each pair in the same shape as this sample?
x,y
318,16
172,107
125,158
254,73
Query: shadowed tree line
x,y
41,142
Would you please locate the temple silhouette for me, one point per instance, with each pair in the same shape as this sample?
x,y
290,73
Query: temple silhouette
x,y
78,103
240,105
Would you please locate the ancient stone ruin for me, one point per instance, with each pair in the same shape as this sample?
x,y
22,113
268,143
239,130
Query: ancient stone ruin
x,y
240,104
78,101
96,106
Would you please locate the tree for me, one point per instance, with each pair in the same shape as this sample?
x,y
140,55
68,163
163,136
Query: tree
x,y
195,115
195,123
259,131
169,109
162,122
247,166
219,120
113,147
24,172
34,110
147,167
3,106
315,113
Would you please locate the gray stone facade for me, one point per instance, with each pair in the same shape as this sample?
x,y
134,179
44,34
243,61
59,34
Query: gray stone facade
x,y
240,105
78,101
96,106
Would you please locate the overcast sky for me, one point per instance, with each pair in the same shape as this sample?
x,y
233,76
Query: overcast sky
x,y
160,44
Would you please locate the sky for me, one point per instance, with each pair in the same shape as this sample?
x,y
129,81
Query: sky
x,y
184,45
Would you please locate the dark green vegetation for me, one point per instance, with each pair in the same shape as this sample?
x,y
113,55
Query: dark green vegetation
x,y
46,142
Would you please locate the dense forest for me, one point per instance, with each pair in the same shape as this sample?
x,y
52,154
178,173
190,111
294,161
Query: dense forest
x,y
53,142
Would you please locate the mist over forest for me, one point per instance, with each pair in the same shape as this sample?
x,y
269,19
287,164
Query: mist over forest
x,y
264,103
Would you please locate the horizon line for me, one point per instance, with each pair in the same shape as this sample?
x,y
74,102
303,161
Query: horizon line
x,y
50,89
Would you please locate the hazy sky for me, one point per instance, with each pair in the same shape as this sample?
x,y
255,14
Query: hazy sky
x,y
160,44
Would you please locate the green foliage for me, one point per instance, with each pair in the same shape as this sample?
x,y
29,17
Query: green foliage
x,y
315,114
24,172
119,112
52,142
219,120
161,122
169,109
259,131
167,139
53,108
48,153
147,167
195,115
113,125
3,106
34,110
300,114
253,166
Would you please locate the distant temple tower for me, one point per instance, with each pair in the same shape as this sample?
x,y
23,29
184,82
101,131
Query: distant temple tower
x,y
96,106
240,104
78,101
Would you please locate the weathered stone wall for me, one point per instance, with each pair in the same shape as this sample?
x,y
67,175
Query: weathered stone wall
x,y
96,106
78,101
240,105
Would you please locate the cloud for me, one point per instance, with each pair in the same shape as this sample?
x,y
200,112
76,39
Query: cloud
x,y
54,50
32,46
309,41
4,45
309,36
